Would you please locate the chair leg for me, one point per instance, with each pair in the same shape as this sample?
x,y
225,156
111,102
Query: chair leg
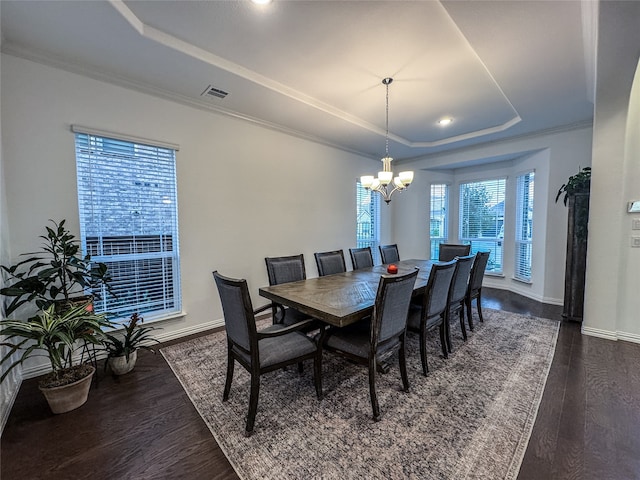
x,y
467,301
462,326
253,403
448,332
443,339
227,384
423,350
300,367
372,389
403,365
479,303
317,367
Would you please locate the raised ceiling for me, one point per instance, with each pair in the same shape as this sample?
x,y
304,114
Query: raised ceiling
x,y
314,68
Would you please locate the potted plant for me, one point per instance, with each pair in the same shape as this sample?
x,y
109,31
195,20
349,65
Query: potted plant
x,y
57,274
58,335
576,197
123,347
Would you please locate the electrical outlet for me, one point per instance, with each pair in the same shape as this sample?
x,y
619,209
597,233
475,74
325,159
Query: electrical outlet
x,y
635,224
635,241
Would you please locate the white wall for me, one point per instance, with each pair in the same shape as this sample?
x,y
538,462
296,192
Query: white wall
x,y
244,192
611,295
8,388
553,156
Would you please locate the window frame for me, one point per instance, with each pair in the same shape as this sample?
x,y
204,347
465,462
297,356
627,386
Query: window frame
x,y
373,239
435,241
148,255
523,240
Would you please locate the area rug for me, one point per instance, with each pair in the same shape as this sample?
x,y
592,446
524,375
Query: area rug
x,y
470,418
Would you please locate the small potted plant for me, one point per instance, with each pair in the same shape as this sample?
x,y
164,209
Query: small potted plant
x,y
58,274
123,347
60,335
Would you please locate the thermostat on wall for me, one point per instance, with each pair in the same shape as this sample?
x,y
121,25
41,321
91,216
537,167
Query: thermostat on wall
x,y
634,207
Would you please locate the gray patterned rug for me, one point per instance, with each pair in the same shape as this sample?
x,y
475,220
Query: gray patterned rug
x,y
471,418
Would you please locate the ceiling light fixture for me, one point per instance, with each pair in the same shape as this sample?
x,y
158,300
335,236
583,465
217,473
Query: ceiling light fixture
x,y
381,183
261,2
445,121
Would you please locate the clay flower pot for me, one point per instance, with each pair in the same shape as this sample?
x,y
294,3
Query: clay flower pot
x,y
68,397
119,365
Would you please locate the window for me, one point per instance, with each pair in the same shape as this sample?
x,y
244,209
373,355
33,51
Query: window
x,y
524,226
438,219
482,218
368,220
129,220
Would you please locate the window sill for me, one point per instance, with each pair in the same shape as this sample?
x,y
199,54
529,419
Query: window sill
x,y
491,274
164,317
520,280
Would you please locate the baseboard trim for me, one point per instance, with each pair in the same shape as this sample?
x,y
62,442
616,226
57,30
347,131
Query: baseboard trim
x,y
611,335
38,370
524,293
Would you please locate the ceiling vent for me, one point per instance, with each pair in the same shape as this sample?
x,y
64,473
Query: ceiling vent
x,y
214,92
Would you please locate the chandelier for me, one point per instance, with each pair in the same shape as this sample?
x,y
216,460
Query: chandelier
x,y
382,183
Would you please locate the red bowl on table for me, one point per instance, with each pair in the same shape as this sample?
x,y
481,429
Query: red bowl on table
x,y
392,268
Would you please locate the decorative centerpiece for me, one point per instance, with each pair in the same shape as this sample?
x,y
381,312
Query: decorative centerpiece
x,y
392,268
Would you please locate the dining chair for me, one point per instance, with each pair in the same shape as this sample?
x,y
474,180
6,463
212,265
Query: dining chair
x,y
389,253
260,351
432,312
475,286
361,257
457,295
385,336
284,270
449,251
330,262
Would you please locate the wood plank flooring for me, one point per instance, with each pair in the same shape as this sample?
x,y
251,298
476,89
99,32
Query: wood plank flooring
x,y
143,426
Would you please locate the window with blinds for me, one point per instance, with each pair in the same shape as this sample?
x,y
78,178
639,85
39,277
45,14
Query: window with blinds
x,y
524,226
127,196
368,220
438,217
482,219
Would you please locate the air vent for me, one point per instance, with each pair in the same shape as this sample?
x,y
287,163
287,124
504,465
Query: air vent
x,y
214,92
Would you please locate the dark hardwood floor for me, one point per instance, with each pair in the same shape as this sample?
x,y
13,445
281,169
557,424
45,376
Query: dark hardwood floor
x,y
143,426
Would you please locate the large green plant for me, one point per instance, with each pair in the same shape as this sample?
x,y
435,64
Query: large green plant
x,y
54,274
578,183
132,337
56,335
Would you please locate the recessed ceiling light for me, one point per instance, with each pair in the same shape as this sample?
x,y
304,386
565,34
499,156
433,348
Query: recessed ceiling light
x,y
261,2
445,121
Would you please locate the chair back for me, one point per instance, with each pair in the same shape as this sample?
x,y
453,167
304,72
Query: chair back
x,y
361,257
285,269
449,251
237,309
460,281
391,307
437,292
477,271
330,262
389,253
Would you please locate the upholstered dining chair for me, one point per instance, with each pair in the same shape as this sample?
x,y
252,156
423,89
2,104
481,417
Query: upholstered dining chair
x,y
330,262
433,311
389,253
361,257
385,336
457,295
285,270
260,351
475,286
449,251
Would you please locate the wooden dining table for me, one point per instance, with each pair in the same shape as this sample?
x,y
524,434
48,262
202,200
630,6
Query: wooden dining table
x,y
342,298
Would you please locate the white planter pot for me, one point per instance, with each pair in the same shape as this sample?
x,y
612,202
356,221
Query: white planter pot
x,y
120,366
68,397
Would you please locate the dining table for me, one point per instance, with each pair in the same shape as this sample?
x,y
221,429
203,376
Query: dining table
x,y
343,298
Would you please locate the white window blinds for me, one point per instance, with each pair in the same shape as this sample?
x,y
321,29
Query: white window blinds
x,y
524,226
438,217
482,219
368,220
127,197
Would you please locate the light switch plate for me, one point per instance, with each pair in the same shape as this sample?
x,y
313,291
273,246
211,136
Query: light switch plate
x,y
635,224
635,241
